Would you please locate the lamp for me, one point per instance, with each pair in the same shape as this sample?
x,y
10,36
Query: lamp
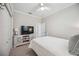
x,y
16,31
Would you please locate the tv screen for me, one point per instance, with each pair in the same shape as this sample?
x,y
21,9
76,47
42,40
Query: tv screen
x,y
27,30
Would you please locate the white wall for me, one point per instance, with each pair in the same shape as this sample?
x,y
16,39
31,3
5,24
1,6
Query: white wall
x,y
21,18
64,23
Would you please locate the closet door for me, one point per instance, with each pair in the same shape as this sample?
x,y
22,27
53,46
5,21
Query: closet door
x,y
5,30
40,30
43,29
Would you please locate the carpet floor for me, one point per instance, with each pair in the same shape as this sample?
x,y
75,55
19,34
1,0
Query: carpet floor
x,y
22,51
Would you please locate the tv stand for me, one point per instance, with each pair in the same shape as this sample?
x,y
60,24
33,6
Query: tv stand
x,y
20,40
26,38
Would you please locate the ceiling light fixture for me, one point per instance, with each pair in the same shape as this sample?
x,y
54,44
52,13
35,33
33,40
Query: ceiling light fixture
x,y
42,4
39,8
43,7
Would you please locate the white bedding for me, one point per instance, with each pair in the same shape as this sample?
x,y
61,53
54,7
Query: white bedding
x,y
50,46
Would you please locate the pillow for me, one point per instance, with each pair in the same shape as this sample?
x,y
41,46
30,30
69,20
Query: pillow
x,y
74,45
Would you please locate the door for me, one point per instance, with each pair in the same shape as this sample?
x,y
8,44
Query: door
x,y
5,30
40,29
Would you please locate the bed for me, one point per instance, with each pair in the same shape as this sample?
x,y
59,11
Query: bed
x,y
50,46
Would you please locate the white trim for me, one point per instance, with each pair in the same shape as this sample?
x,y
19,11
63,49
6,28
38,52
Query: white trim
x,y
21,12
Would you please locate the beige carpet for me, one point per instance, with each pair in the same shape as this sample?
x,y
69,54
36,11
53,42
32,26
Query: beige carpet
x,y
22,51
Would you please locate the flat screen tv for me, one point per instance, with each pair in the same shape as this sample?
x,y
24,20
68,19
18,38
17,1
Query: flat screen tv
x,y
27,30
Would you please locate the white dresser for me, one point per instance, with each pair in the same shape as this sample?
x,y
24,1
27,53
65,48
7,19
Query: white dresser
x,y
21,39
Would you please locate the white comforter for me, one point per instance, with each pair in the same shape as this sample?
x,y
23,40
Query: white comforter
x,y
50,46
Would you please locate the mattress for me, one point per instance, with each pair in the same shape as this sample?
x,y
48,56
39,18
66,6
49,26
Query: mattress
x,y
50,46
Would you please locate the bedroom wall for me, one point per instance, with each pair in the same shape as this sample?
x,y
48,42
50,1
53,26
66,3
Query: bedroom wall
x,y
21,18
64,23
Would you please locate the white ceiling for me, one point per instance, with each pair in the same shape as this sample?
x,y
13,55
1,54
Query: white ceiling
x,y
31,7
